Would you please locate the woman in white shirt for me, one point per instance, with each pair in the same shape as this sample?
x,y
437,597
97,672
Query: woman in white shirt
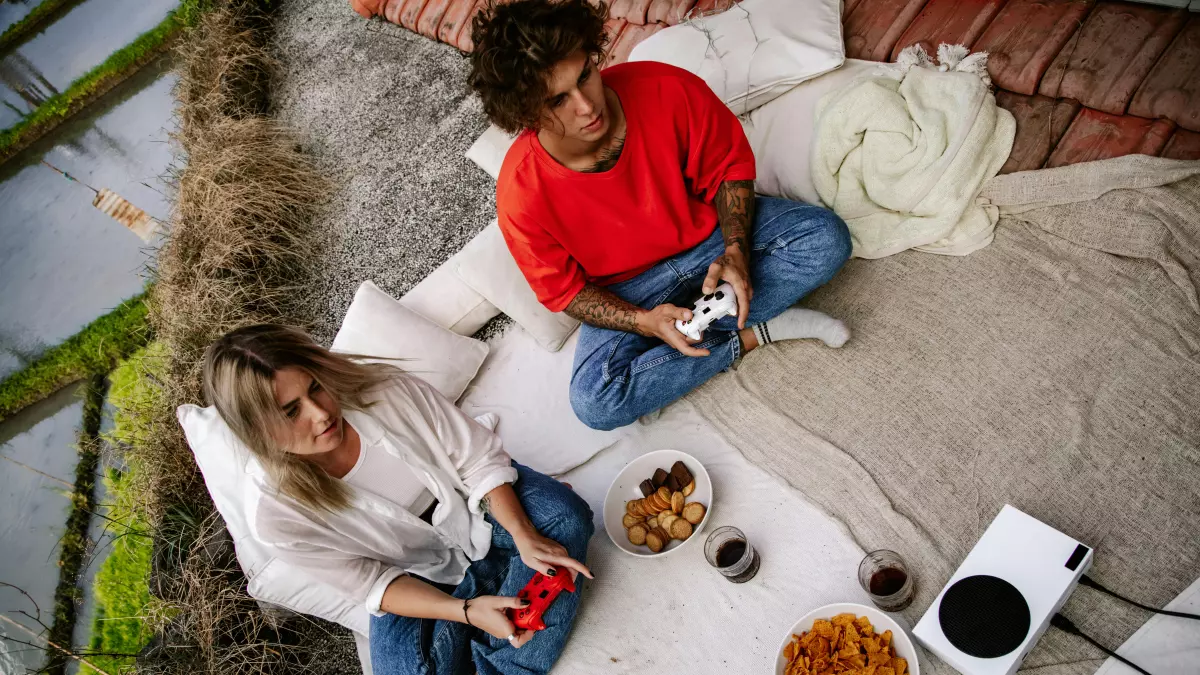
x,y
371,481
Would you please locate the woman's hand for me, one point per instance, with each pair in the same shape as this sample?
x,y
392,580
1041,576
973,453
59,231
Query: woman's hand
x,y
543,555
487,614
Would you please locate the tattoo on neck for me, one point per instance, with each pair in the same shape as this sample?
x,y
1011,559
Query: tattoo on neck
x,y
608,157
735,212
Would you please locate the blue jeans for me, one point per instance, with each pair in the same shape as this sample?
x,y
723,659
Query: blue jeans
x,y
619,376
405,646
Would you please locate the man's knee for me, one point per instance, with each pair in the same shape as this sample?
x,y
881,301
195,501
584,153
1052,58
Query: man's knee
x,y
825,243
835,239
590,406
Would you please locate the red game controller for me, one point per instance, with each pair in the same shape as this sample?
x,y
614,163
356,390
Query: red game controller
x,y
540,592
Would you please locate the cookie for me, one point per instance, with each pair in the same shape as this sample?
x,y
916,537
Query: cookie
x,y
630,520
689,488
680,529
667,522
659,502
652,522
637,535
677,502
693,512
656,539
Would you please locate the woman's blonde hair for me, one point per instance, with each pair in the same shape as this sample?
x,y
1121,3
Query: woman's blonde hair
x,y
239,379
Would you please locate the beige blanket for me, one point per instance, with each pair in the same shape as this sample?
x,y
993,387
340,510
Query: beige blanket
x,y
1057,370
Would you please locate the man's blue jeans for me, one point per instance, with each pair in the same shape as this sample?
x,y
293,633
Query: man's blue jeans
x,y
406,646
619,376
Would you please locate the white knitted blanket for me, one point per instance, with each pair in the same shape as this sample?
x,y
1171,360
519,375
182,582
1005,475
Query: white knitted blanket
x,y
901,155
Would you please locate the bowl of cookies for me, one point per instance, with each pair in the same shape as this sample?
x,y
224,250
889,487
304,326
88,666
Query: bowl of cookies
x,y
846,638
657,503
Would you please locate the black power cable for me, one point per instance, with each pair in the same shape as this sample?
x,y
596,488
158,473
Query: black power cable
x,y
1064,624
1092,583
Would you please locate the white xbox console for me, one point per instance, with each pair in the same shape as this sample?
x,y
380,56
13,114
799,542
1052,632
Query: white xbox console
x,y
999,603
719,303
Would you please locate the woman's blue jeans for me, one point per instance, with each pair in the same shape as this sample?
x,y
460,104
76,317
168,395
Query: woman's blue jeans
x,y
619,376
406,646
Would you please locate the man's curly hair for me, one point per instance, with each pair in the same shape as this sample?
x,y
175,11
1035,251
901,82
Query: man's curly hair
x,y
516,46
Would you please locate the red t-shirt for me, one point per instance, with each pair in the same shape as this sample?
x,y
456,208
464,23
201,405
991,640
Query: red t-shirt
x,y
566,228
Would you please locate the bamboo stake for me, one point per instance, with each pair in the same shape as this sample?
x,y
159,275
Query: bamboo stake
x,y
56,479
69,653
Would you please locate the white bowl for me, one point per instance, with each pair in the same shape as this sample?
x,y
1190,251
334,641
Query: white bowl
x,y
625,487
882,622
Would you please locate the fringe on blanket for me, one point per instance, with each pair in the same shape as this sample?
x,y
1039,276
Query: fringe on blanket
x,y
950,58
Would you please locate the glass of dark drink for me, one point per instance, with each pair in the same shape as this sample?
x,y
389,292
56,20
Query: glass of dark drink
x,y
885,577
728,550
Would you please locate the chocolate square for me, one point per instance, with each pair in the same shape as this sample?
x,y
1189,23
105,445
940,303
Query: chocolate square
x,y
660,477
672,483
647,488
681,474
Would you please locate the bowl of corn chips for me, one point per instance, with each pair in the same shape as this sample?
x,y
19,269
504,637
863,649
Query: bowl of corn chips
x,y
847,639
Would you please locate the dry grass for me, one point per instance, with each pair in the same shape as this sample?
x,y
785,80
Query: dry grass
x,y
240,246
213,626
239,252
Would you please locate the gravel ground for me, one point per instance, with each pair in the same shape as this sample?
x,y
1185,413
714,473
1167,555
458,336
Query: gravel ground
x,y
387,115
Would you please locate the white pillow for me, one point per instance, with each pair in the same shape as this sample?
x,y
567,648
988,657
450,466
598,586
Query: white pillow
x,y
781,134
222,459
447,301
487,266
754,51
377,325
528,388
488,150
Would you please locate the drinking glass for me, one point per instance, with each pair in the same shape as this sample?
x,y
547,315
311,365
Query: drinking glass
x,y
728,550
885,577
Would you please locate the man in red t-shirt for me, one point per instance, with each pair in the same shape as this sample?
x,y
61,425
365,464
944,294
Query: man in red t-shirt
x,y
628,194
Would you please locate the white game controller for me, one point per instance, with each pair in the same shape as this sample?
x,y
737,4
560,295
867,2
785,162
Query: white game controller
x,y
719,303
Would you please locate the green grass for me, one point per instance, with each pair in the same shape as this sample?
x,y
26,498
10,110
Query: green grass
x,y
73,544
118,66
95,349
30,23
122,583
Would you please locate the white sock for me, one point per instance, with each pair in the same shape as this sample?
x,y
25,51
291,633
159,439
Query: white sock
x,y
797,323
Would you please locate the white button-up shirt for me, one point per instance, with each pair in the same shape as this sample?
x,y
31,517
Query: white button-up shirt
x,y
361,550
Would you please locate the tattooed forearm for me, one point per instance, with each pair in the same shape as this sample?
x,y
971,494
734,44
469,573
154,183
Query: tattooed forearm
x,y
598,307
735,213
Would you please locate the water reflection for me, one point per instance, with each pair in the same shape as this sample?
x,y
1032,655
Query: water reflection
x,y
63,262
35,509
53,59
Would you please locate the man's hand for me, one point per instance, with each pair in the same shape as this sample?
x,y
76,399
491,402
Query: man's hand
x,y
660,323
734,268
